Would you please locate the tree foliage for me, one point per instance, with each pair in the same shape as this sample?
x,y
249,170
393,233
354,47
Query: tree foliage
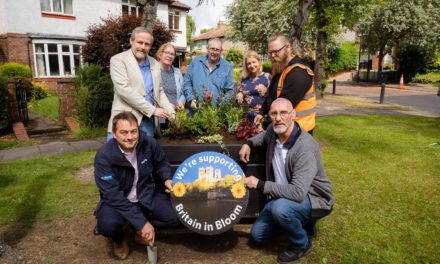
x,y
235,57
190,29
253,21
112,36
402,23
342,58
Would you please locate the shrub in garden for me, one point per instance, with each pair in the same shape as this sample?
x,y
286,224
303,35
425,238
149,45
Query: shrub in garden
x,y
428,78
93,96
112,36
3,103
12,69
342,58
267,67
38,91
235,57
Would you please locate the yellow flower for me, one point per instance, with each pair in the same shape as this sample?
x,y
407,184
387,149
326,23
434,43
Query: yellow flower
x,y
238,191
179,189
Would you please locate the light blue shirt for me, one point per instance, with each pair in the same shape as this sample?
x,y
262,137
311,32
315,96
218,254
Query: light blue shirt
x,y
219,81
148,80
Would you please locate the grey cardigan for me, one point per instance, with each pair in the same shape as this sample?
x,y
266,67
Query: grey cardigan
x,y
304,171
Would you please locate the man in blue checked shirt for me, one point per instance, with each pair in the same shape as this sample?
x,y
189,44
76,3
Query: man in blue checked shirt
x,y
209,73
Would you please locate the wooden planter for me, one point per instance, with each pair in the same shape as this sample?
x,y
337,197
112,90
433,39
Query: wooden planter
x,y
177,153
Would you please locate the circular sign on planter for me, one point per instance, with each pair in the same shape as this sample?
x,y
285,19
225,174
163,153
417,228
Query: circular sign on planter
x,y
209,195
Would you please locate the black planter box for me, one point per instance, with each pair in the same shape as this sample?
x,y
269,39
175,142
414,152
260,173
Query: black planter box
x,y
177,153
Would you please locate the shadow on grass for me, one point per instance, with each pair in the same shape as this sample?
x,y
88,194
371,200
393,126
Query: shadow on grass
x,y
26,211
7,180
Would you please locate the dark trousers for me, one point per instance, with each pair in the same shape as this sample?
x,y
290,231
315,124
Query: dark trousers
x,y
111,223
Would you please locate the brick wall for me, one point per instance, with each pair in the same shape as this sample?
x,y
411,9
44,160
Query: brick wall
x,y
66,94
50,83
15,47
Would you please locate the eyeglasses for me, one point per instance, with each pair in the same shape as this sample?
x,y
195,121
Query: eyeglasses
x,y
273,52
169,53
283,114
214,50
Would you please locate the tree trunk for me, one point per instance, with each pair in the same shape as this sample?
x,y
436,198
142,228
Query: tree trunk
x,y
380,60
321,44
149,13
321,47
301,17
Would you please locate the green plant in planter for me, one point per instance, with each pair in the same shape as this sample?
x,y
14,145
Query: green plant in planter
x,y
232,113
215,138
179,126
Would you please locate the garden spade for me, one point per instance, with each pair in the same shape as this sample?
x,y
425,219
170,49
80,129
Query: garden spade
x,y
152,253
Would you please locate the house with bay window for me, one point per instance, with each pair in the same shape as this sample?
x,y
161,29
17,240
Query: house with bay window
x,y
47,35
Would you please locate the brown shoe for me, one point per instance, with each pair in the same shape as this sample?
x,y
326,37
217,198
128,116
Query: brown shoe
x,y
121,251
138,239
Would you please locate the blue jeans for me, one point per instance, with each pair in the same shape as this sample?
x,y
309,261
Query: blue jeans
x,y
283,216
111,223
147,125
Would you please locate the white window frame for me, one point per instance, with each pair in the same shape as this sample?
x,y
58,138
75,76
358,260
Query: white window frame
x,y
128,4
60,54
174,16
51,11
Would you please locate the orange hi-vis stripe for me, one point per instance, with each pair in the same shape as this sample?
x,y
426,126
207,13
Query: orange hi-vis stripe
x,y
306,108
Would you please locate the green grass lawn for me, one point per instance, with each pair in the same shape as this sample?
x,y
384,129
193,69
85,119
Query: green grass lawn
x,y
385,177
48,107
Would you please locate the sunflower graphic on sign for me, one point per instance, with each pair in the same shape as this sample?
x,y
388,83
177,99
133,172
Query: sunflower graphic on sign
x,y
209,195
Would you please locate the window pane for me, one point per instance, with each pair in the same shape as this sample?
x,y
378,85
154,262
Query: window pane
x,y
54,66
124,1
176,22
170,20
66,63
65,48
76,61
133,2
52,47
45,5
125,10
133,11
75,48
41,65
68,9
39,48
57,6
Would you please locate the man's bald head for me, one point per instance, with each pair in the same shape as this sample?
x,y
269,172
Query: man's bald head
x,y
282,102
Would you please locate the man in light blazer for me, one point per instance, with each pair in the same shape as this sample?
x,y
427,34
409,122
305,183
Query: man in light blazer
x,y
138,85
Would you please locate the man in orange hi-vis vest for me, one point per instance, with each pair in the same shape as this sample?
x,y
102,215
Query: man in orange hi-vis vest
x,y
293,79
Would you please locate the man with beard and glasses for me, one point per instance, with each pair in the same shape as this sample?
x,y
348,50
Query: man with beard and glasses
x,y
296,184
293,79
138,85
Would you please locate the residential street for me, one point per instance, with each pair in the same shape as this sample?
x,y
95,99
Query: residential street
x,y
420,99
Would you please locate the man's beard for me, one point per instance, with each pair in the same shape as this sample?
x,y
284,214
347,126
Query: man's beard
x,y
277,67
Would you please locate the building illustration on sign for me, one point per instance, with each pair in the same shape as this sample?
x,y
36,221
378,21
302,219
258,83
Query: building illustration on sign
x,y
209,174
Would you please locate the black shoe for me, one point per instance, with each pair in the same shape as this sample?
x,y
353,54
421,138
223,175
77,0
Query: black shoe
x,y
310,228
292,254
